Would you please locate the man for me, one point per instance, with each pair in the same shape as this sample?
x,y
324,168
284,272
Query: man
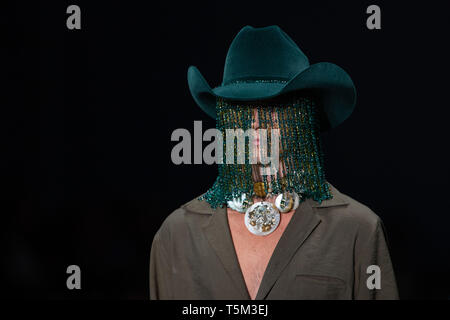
x,y
266,231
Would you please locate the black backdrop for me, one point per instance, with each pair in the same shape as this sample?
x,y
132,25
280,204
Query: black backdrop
x,y
87,117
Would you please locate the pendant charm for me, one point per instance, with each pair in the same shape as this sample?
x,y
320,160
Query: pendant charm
x,y
240,204
262,218
287,201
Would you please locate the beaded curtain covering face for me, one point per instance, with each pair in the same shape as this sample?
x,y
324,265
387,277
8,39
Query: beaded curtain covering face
x,y
300,152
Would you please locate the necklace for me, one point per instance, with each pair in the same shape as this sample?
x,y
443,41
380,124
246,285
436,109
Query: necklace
x,y
263,217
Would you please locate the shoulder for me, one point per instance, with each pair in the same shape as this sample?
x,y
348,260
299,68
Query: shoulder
x,y
345,211
191,215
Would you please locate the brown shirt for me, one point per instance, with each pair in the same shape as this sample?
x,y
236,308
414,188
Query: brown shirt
x,y
323,253
254,252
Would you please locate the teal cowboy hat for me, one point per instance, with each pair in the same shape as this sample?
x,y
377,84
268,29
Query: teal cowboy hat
x,y
264,63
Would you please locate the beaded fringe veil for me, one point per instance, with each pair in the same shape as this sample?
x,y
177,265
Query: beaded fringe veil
x,y
300,151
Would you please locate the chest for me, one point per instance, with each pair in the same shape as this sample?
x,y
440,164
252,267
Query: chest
x,y
254,252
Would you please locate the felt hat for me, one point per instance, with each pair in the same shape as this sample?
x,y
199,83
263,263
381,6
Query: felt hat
x,y
263,63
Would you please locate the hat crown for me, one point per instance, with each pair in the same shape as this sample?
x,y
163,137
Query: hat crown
x,y
266,53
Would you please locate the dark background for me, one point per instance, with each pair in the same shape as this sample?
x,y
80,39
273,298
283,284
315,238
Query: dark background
x,y
87,115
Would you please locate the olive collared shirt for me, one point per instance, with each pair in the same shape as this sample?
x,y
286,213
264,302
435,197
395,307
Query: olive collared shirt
x,y
327,251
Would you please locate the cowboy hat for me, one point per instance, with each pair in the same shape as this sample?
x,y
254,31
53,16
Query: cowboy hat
x,y
264,63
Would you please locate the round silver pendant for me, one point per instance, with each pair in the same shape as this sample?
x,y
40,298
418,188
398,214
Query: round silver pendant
x,y
240,204
287,201
262,218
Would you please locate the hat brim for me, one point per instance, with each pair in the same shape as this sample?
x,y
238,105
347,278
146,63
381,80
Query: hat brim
x,y
333,85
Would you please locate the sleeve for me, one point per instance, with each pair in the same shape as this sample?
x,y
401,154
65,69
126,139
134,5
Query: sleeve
x,y
159,271
374,274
